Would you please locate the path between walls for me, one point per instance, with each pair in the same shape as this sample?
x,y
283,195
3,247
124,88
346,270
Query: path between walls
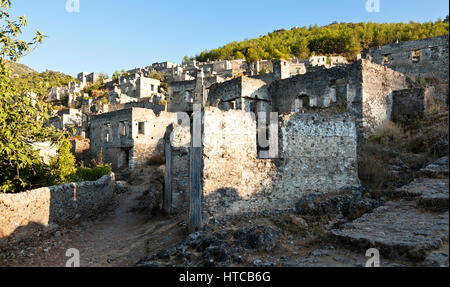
x,y
121,237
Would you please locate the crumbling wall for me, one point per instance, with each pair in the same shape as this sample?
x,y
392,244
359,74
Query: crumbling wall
x,y
178,175
21,212
318,155
180,96
231,170
149,141
322,87
416,102
130,137
378,84
425,58
111,135
241,93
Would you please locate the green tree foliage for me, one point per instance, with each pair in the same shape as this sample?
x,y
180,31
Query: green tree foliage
x,y
337,38
62,167
116,75
22,121
39,83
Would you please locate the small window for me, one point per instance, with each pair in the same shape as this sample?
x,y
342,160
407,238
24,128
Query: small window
x,y
122,129
141,128
416,56
107,133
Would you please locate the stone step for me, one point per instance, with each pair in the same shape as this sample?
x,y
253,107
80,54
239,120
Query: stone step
x,y
431,194
398,229
437,169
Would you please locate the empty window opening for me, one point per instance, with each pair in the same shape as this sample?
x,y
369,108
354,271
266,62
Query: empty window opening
x,y
141,128
416,56
122,129
302,101
108,133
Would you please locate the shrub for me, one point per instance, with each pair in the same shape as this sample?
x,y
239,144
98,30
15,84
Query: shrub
x,y
372,169
388,133
62,166
91,174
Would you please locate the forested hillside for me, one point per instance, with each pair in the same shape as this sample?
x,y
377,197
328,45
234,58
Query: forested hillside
x,y
337,38
18,69
40,82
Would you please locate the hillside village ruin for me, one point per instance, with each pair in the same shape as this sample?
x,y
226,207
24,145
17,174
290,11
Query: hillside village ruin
x,y
236,153
271,132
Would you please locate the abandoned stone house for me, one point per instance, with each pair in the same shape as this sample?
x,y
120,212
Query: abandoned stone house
x,y
68,119
130,137
132,88
425,58
181,96
225,175
363,88
163,67
416,102
87,78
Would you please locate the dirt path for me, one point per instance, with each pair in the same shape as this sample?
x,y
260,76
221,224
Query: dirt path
x,y
120,237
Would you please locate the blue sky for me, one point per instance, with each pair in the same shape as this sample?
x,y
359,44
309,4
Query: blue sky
x,y
122,34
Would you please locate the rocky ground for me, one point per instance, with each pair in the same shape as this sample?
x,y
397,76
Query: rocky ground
x,y
409,229
120,237
409,226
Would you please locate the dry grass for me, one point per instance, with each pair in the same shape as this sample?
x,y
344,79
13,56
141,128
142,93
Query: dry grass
x,y
388,134
372,166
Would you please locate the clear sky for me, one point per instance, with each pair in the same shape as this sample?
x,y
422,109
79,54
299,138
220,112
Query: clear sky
x,y
123,34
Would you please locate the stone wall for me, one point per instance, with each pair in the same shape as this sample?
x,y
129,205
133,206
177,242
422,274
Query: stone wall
x,y
149,142
129,138
318,154
321,88
363,88
416,102
231,171
145,104
426,58
180,96
179,173
239,93
20,213
378,84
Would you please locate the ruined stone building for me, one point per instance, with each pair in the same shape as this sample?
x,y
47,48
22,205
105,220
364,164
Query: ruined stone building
x,y
132,88
180,95
68,119
225,176
426,58
243,93
87,78
163,67
128,138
